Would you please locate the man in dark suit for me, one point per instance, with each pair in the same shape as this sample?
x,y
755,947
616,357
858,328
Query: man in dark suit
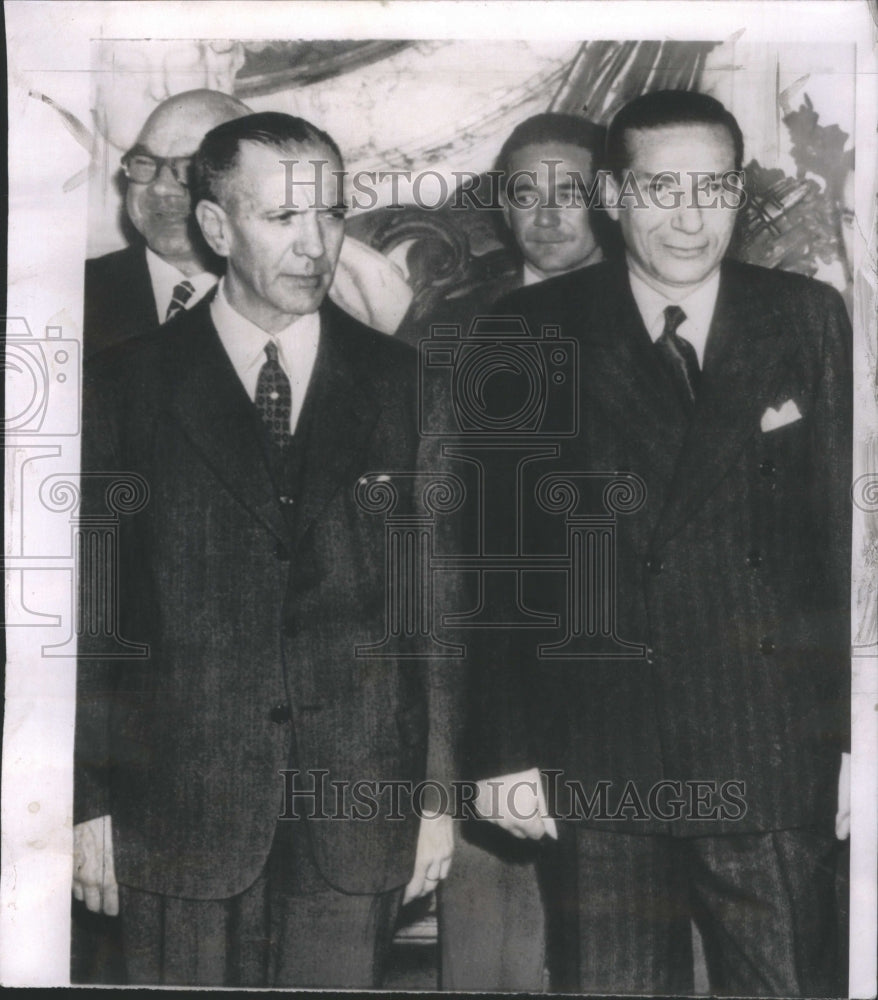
x,y
491,924
252,569
169,267
697,724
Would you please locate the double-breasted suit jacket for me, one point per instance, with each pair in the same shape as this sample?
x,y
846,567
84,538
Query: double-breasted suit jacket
x,y
733,575
251,616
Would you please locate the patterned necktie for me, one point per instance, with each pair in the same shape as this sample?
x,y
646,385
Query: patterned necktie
x,y
183,292
679,355
274,397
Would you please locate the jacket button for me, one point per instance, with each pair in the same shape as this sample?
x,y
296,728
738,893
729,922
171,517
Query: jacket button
x,y
767,467
650,654
754,559
654,565
286,501
766,645
282,553
280,714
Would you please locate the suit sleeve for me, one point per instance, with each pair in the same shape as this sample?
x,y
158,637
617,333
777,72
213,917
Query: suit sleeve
x,y
831,481
488,694
95,676
445,674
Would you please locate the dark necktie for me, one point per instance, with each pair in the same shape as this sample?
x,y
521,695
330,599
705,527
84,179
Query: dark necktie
x,y
679,355
183,292
274,397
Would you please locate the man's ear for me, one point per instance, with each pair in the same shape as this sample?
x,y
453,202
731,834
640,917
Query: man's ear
x,y
214,225
612,196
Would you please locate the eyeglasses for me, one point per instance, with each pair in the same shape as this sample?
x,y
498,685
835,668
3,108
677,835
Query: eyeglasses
x,y
142,167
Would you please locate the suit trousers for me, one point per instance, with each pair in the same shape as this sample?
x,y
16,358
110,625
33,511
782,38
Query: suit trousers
x,y
289,929
491,923
764,904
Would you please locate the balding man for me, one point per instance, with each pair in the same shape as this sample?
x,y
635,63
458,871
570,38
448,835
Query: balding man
x,y
131,291
169,268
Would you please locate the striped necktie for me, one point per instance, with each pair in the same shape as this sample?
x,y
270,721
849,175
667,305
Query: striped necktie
x,y
679,355
183,292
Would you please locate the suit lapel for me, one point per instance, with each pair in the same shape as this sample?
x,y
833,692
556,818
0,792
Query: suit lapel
x,y
742,366
214,410
339,415
623,376
138,293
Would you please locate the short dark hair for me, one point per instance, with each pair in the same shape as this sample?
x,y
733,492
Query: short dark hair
x,y
551,126
217,156
668,107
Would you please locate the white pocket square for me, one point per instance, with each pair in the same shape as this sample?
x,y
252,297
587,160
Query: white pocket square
x,y
787,414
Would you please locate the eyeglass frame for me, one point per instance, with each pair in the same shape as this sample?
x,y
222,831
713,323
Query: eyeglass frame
x,y
171,162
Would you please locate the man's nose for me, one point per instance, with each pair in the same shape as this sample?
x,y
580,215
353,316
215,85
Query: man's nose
x,y
688,219
307,236
547,217
165,183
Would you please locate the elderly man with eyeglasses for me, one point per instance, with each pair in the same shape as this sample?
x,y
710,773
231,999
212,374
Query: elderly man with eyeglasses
x,y
168,266
131,291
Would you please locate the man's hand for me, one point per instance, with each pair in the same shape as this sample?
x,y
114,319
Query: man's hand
x,y
94,880
843,816
433,856
516,803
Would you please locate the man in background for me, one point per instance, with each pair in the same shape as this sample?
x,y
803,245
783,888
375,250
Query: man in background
x,y
169,268
492,928
546,164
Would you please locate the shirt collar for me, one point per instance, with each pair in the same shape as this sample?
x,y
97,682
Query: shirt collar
x,y
530,276
244,342
698,305
164,277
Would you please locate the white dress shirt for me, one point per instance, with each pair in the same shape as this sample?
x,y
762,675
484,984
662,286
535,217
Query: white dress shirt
x,y
698,306
530,276
165,278
244,342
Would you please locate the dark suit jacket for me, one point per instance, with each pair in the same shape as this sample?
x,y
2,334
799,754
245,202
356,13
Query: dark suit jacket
x,y
244,614
119,301
734,573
